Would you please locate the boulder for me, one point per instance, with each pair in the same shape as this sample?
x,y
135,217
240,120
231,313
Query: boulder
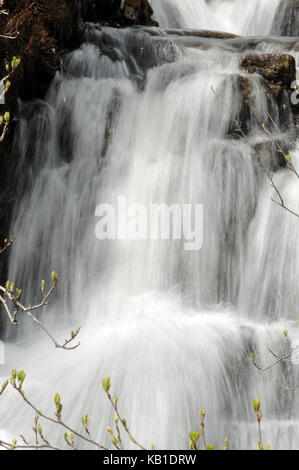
x,y
118,12
278,72
279,69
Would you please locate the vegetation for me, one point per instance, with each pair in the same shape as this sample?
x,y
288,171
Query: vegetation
x,y
73,438
5,82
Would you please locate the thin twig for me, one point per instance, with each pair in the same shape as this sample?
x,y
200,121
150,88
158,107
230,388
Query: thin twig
x,y
28,311
260,162
123,422
57,421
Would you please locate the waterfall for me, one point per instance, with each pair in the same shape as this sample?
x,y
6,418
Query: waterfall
x,y
233,16
135,116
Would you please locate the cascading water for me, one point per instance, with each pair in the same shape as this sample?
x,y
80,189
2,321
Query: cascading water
x,y
233,16
135,116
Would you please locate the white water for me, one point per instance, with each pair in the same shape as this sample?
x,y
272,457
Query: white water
x,y
173,329
254,17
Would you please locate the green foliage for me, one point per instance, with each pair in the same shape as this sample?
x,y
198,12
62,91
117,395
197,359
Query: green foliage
x,y
194,436
197,439
210,447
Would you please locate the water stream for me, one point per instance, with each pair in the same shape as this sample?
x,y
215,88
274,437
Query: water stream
x,y
174,329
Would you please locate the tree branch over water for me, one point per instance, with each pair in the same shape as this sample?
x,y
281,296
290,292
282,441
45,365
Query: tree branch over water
x,y
279,358
10,299
16,381
287,157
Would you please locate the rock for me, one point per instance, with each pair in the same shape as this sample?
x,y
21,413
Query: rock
x,y
278,69
131,10
201,33
48,28
145,14
44,30
118,12
278,72
280,110
100,10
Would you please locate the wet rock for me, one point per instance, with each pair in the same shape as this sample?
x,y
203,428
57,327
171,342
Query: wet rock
x,y
145,14
246,118
131,10
118,12
201,33
265,149
100,10
278,72
279,69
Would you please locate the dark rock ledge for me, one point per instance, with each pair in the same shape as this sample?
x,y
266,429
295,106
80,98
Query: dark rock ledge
x,y
277,72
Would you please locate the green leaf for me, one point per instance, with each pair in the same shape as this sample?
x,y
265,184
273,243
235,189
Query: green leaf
x,y
256,404
194,436
57,399
54,277
21,376
106,384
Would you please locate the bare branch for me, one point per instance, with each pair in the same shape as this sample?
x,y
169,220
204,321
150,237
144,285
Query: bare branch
x,y
123,421
18,307
260,162
7,243
12,295
286,387
279,359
